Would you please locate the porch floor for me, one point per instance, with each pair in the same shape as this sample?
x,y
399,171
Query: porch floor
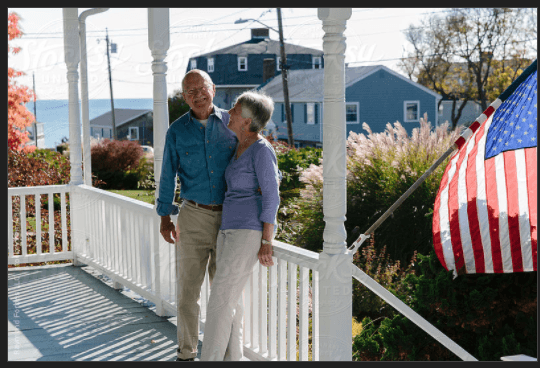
x,y
66,313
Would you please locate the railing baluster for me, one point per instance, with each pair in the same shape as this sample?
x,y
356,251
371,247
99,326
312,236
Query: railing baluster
x,y
37,201
315,315
303,315
282,310
23,225
10,227
291,312
63,211
263,311
51,223
272,319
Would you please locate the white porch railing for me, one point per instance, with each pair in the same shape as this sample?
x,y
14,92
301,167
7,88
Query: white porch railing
x,y
120,237
18,237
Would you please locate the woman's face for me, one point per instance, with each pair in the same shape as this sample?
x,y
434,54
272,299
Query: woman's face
x,y
236,121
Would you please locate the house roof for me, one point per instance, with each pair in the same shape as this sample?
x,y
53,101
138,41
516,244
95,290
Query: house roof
x,y
308,85
122,116
262,46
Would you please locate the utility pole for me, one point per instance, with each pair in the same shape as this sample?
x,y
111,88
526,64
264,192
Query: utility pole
x,y
35,110
284,68
110,85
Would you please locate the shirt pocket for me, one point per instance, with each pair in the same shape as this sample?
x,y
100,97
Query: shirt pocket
x,y
192,161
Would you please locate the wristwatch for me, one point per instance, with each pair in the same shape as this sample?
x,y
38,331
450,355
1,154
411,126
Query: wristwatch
x,y
264,242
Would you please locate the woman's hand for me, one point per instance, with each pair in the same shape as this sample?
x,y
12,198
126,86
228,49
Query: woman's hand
x,y
265,255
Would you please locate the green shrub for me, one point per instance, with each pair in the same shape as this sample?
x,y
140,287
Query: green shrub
x,y
380,168
489,316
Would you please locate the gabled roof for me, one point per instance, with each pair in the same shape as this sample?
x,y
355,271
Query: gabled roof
x,y
121,116
262,46
308,85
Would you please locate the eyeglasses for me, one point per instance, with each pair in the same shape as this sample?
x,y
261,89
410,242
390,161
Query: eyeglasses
x,y
195,91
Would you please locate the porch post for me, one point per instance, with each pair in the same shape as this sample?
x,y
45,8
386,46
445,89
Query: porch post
x,y
158,42
72,58
335,283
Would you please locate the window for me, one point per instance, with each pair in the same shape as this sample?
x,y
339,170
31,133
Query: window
x,y
278,62
317,62
193,64
411,111
242,63
310,113
133,133
210,65
351,112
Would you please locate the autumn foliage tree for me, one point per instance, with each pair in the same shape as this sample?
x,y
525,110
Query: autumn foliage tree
x,y
18,115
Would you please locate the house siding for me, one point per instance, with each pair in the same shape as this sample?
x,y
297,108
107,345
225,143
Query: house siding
x,y
146,129
306,134
381,97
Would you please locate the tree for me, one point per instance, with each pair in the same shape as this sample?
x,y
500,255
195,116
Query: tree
x,y
462,55
177,106
18,115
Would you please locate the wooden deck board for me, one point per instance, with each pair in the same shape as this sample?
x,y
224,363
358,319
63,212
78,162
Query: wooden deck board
x,y
65,314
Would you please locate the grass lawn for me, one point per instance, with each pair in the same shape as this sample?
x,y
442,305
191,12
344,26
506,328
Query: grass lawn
x,y
139,194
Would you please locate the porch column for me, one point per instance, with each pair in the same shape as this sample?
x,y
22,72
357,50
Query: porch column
x,y
72,58
158,41
335,283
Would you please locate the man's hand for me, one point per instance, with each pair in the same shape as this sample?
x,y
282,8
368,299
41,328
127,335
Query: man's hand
x,y
167,228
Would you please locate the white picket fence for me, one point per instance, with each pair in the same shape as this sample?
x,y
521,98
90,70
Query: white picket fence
x,y
120,237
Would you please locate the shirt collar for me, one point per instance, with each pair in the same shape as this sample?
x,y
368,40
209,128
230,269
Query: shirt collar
x,y
215,111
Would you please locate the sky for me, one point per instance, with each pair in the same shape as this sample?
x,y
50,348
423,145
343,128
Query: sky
x,y
373,36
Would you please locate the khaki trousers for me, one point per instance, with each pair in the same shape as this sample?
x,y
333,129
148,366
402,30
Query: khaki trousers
x,y
237,254
195,249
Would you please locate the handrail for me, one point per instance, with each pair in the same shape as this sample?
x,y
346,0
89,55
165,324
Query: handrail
x,y
410,314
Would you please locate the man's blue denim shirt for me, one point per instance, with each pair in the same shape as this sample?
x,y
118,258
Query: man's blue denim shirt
x,y
199,156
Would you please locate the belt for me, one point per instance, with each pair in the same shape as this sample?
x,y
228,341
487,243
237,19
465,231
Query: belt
x,y
215,207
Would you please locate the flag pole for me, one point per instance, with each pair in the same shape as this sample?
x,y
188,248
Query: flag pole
x,y
457,145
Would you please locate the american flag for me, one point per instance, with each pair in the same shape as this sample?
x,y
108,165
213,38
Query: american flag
x,y
485,215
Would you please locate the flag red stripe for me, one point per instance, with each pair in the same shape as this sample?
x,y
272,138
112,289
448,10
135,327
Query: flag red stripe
x,y
472,208
453,213
510,172
437,243
530,159
493,214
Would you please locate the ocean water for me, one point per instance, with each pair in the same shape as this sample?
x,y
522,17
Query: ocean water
x,y
54,114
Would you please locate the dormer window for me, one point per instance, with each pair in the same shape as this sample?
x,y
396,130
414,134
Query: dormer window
x,y
193,64
242,64
210,65
317,64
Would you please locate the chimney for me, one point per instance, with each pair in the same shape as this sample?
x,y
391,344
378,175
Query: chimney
x,y
259,33
269,69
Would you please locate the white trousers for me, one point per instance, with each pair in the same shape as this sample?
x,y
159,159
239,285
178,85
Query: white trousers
x,y
236,255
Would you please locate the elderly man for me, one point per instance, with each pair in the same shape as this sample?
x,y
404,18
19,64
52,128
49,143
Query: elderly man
x,y
198,147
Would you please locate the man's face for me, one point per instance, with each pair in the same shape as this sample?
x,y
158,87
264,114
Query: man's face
x,y
199,95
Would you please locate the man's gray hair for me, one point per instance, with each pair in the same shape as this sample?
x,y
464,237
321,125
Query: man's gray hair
x,y
202,73
257,106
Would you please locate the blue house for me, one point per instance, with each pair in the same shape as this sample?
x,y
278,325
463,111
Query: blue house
x,y
244,66
373,94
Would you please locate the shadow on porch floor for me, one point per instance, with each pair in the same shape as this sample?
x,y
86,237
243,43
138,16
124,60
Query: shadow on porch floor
x,y
66,313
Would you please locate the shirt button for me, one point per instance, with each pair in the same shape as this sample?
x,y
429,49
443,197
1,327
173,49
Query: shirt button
x,y
211,172
207,141
213,186
209,156
187,153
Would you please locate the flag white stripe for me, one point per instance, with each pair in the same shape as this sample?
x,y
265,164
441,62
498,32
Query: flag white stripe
x,y
481,199
446,241
466,242
504,236
523,200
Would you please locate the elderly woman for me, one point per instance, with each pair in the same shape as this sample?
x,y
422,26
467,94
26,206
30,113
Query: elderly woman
x,y
247,227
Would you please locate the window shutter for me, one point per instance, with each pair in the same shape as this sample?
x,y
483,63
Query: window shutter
x,y
282,112
316,113
305,113
292,113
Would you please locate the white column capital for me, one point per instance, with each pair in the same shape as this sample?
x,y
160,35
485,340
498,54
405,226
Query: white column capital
x,y
158,30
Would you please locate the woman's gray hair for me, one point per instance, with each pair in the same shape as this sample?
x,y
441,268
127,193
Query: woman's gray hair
x,y
257,106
